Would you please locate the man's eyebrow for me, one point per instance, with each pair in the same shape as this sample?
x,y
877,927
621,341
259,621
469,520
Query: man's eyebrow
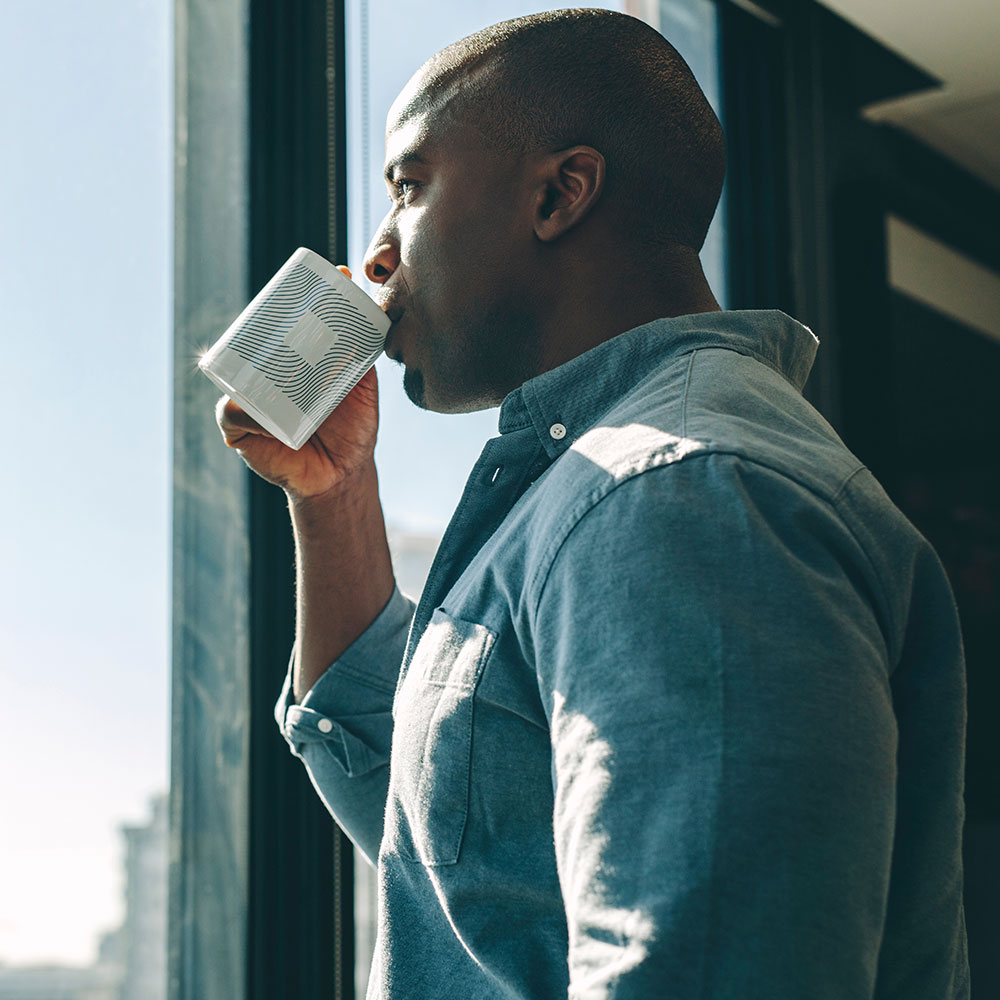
x,y
401,161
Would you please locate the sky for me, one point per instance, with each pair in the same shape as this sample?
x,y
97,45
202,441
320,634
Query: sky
x,y
85,314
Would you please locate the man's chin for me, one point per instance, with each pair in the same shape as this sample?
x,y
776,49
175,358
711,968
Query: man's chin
x,y
413,386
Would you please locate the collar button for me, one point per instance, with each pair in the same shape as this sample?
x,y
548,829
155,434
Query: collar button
x,y
557,431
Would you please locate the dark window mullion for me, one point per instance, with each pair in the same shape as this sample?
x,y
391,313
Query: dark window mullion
x,y
300,919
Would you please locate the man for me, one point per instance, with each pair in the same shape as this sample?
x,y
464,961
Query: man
x,y
680,712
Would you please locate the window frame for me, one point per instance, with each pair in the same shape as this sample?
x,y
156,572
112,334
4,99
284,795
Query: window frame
x,y
260,878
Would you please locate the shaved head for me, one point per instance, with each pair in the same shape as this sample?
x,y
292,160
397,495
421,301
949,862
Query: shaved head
x,y
594,77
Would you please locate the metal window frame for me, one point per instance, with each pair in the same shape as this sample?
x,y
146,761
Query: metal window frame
x,y
300,899
261,901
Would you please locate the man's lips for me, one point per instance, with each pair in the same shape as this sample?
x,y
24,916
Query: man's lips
x,y
394,313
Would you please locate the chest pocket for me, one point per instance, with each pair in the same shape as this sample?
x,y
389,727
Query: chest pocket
x,y
430,767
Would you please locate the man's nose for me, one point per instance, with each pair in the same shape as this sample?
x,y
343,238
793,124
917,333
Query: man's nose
x,y
381,261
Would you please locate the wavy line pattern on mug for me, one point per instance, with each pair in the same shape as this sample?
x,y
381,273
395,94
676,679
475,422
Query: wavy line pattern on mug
x,y
261,342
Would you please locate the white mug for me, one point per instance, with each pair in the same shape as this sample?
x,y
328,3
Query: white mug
x,y
298,348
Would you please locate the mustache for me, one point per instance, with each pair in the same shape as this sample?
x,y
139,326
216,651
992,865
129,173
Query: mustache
x,y
390,301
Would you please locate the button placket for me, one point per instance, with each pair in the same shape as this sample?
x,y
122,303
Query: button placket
x,y
486,501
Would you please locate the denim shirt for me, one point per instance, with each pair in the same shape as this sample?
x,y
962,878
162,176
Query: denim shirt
x,y
681,709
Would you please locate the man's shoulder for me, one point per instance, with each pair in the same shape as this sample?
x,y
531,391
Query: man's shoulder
x,y
738,439
734,425
715,401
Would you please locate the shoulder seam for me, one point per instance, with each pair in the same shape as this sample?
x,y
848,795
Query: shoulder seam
x,y
684,399
895,626
843,486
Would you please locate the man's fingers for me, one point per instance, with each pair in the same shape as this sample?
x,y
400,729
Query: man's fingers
x,y
235,423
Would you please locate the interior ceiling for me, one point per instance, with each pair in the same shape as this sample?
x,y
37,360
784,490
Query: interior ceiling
x,y
958,42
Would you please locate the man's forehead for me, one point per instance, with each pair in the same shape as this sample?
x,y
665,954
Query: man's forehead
x,y
416,128
410,100
431,107
407,141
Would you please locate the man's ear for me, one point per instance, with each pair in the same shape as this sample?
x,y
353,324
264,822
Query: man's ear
x,y
571,182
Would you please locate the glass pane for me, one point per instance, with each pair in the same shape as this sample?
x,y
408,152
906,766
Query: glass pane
x,y
692,27
85,268
380,59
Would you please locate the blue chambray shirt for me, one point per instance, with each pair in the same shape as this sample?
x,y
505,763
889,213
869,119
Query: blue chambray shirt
x,y
680,712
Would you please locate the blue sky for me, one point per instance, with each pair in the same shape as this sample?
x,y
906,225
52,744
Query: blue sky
x,y
84,312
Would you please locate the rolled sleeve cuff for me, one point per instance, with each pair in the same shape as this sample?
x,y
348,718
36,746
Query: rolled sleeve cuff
x,y
350,705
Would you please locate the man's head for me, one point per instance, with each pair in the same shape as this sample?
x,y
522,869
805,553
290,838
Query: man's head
x,y
536,168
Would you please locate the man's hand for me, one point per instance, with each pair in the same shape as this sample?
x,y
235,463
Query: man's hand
x,y
343,445
344,570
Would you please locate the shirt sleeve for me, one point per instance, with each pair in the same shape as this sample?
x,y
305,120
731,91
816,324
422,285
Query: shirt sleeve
x,y
723,739
342,730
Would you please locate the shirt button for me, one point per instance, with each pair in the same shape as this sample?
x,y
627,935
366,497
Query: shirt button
x,y
325,725
558,431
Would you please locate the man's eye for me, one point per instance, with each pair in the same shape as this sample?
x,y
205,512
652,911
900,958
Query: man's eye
x,y
402,186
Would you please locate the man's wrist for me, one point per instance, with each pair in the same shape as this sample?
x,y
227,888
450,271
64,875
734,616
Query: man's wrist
x,y
353,493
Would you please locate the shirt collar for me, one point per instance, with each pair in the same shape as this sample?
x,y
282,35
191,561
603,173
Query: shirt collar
x,y
565,402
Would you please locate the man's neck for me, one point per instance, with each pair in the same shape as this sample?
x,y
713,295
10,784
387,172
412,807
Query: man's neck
x,y
602,309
